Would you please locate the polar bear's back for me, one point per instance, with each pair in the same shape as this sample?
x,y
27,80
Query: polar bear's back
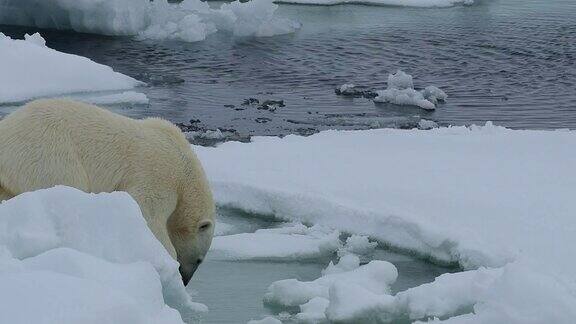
x,y
62,142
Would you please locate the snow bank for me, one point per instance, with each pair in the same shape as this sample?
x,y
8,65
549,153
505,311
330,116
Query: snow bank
x,y
31,70
315,297
401,91
91,257
480,196
398,3
190,20
296,242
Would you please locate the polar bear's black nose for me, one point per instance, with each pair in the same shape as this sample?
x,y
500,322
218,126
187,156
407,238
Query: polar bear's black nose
x,y
186,276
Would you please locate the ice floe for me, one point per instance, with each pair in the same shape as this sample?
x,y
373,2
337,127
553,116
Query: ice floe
x,y
29,69
401,91
497,201
189,20
69,257
296,242
315,297
398,3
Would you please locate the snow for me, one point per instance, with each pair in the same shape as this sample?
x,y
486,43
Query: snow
x,y
190,20
26,66
401,91
399,3
358,244
315,297
427,124
497,201
296,242
91,257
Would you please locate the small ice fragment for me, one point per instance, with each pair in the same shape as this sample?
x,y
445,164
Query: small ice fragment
x,y
401,91
400,80
427,124
266,320
434,94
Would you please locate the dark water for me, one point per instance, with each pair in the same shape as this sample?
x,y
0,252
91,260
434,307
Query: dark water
x,y
509,61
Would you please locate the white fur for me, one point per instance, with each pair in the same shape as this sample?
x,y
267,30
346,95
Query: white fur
x,y
62,142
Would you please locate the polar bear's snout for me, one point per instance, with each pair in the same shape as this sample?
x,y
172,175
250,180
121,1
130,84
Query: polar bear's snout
x,y
187,271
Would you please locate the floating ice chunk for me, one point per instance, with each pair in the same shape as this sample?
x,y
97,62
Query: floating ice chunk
x,y
401,91
190,28
266,320
350,303
405,97
345,88
189,20
28,70
434,94
33,224
399,3
313,311
253,18
400,80
427,124
295,242
376,276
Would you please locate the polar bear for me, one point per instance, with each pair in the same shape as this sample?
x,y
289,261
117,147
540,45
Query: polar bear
x,y
61,142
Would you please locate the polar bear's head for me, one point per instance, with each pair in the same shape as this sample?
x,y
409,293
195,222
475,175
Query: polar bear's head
x,y
191,226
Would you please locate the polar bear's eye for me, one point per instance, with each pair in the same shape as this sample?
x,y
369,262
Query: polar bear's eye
x,y
204,226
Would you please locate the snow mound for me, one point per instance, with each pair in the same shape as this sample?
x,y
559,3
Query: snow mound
x,y
482,196
31,70
398,3
315,297
296,242
401,91
189,20
69,251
